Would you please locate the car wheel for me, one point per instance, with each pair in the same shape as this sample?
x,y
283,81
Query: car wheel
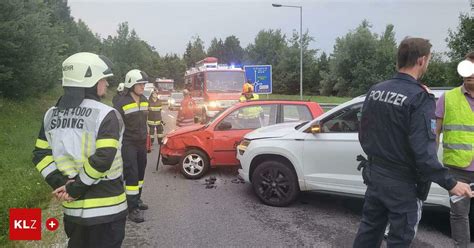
x,y
194,164
275,183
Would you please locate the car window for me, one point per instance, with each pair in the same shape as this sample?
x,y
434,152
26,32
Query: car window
x,y
346,120
252,117
296,113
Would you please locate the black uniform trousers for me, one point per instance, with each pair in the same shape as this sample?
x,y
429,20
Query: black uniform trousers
x,y
388,200
134,164
107,235
159,130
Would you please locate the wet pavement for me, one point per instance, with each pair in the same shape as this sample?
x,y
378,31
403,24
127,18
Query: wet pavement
x,y
220,211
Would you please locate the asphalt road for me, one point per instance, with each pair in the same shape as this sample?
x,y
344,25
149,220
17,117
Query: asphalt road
x,y
187,213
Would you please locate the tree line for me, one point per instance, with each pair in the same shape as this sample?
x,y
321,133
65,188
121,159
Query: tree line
x,y
36,36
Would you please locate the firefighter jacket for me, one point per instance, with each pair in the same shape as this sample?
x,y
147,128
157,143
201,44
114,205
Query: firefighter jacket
x,y
458,127
154,111
83,144
134,116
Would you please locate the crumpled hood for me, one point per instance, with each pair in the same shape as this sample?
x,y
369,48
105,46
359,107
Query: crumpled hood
x,y
183,130
273,131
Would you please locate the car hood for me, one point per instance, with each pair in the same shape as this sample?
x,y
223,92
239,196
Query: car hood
x,y
273,131
183,130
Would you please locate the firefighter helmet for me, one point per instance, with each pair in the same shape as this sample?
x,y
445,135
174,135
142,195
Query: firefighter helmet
x,y
120,87
135,77
84,70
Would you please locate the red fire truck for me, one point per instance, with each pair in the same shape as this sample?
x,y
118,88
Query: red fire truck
x,y
214,86
165,87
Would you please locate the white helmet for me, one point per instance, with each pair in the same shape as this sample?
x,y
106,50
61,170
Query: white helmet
x,y
84,70
135,77
120,87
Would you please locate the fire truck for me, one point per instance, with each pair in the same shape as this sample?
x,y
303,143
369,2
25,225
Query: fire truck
x,y
165,87
214,86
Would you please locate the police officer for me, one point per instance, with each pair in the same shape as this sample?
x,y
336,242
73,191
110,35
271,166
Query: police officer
x,y
78,154
133,107
397,133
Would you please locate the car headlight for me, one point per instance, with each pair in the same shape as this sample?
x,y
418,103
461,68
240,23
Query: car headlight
x,y
212,104
242,147
172,101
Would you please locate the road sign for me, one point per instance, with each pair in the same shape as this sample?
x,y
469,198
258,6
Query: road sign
x,y
261,77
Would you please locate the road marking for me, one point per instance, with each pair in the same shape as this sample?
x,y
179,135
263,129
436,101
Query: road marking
x,y
170,116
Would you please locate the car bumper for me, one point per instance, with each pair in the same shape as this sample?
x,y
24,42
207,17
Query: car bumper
x,y
170,156
244,165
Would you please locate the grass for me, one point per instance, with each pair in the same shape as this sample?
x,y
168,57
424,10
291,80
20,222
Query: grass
x,y
318,99
21,185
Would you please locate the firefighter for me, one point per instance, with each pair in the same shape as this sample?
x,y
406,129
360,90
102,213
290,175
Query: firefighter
x,y
120,89
154,117
247,85
133,107
187,110
251,115
78,154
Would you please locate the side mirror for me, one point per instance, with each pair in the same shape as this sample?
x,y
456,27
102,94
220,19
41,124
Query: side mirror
x,y
224,126
316,128
197,119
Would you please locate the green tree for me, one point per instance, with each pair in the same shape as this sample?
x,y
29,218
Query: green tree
x,y
460,42
194,51
233,52
172,66
267,48
29,59
216,49
437,74
360,59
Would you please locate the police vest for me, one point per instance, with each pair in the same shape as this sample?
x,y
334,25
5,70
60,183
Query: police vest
x,y
154,112
458,130
78,128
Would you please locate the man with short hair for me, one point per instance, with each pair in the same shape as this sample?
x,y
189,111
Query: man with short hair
x,y
78,154
455,118
397,133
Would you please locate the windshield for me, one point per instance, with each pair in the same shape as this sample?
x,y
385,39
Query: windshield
x,y
215,117
301,125
177,95
230,81
165,86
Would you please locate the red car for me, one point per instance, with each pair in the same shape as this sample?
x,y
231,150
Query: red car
x,y
197,148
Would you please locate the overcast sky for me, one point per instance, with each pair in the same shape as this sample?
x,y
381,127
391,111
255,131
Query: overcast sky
x,y
169,25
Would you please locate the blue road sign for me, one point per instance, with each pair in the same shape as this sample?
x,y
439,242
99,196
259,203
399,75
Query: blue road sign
x,y
261,77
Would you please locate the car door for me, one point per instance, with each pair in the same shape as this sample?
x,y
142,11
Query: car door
x,y
227,137
330,156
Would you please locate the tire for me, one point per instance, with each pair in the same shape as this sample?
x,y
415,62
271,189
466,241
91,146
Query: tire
x,y
275,184
194,164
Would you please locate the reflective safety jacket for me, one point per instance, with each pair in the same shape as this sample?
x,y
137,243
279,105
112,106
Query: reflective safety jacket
x,y
458,130
134,116
83,144
154,111
186,112
250,112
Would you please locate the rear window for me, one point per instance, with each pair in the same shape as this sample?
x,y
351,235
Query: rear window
x,y
296,113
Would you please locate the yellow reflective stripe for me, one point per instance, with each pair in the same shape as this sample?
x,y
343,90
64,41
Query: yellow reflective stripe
x,y
130,106
140,183
91,172
155,108
44,162
42,144
144,104
103,143
132,188
96,202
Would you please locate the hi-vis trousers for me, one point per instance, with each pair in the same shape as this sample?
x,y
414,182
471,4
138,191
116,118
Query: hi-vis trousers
x,y
134,164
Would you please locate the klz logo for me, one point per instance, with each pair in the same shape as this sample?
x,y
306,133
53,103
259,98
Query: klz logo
x,y
25,224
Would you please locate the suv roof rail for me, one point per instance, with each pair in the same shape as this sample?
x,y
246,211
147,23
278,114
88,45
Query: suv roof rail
x,y
442,88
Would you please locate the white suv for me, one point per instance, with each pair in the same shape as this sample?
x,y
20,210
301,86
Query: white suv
x,y
320,155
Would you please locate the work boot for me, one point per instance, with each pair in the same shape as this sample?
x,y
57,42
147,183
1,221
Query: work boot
x,y
136,215
141,205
